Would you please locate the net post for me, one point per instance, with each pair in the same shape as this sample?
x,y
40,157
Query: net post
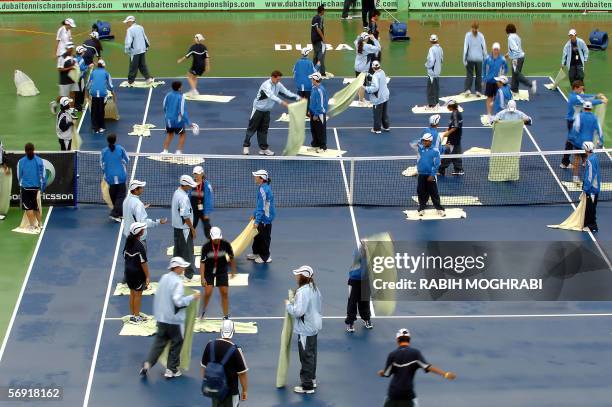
x,y
351,181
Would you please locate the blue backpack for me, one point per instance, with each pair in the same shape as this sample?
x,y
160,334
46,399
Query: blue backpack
x,y
214,384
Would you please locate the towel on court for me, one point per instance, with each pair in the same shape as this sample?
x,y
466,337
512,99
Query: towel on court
x,y
77,140
426,110
577,186
141,84
346,81
6,184
177,159
75,73
110,109
209,98
381,245
244,239
561,75
214,325
24,225
26,230
240,280
145,328
123,289
410,172
477,150
197,251
104,188
432,214
576,220
507,137
454,200
523,94
25,86
330,152
343,98
190,319
297,127
366,104
285,118
143,130
485,120
284,354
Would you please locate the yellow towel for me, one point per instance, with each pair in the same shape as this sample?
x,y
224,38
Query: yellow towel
x,y
6,184
454,200
330,152
239,244
576,220
110,109
123,289
210,98
141,84
25,223
343,98
381,245
284,355
477,150
214,325
177,159
146,328
562,74
285,118
432,214
106,193
143,130
427,110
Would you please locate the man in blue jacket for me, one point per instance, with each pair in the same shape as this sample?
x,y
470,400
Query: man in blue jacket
x,y
176,117
428,162
99,85
359,292
302,70
591,183
494,66
575,55
32,179
263,216
317,112
586,128
503,95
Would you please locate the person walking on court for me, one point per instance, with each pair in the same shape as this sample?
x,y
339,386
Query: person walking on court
x,y
575,56
586,129
401,365
317,38
347,6
367,8
591,184
305,310
259,122
136,272
64,125
176,118
517,58
494,66
169,306
63,37
113,161
202,200
32,180
433,64
302,70
428,162
225,352
317,111
503,94
135,211
213,269
512,113
93,48
474,54
136,46
200,63
378,93
359,292
364,56
182,222
100,84
453,143
263,216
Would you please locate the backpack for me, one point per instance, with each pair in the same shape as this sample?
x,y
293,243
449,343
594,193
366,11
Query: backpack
x,y
214,384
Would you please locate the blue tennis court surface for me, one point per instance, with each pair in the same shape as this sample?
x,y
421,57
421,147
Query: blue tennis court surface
x,y
504,353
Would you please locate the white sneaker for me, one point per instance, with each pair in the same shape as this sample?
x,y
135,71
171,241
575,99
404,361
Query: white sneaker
x,y
164,152
178,152
347,18
266,152
478,94
534,87
245,151
375,131
301,390
313,149
251,256
259,260
441,212
467,93
565,167
150,81
169,374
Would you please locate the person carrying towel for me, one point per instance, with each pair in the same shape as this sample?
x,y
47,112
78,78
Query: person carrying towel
x,y
503,94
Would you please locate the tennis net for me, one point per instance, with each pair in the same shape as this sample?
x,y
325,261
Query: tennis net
x,y
528,178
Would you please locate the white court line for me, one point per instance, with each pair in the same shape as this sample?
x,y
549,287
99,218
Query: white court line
x,y
82,117
25,283
109,285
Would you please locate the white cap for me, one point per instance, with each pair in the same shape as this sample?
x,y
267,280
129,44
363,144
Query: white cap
x,y
186,180
364,35
587,104
215,233
496,46
501,78
316,76
434,119
136,184
70,22
427,136
261,173
306,51
94,34
129,18
588,146
227,329
101,62
433,38
69,45
402,332
65,101
511,106
199,37
80,49
375,64
451,102
306,271
177,262
137,227
572,32
198,170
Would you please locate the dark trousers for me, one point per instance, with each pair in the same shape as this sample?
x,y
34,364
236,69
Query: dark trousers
x,y
79,98
167,332
138,63
473,74
319,56
318,130
184,248
517,76
590,214
358,300
308,359
399,403
428,189
457,162
576,73
433,91
367,7
346,7
260,123
65,145
381,117
261,242
197,216
97,113
568,144
117,194
305,94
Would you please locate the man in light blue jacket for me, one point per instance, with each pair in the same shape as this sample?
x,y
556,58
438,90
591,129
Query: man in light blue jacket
x,y
474,53
575,55
378,93
433,64
136,45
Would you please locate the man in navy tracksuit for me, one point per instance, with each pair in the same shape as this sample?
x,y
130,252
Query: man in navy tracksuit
x,y
428,162
591,184
359,293
31,176
317,112
302,70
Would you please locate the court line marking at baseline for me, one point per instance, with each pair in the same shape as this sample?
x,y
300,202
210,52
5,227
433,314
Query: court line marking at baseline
x,y
338,127
335,77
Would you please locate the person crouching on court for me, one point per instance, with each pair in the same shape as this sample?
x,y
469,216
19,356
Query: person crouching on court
x,y
202,200
99,85
378,93
176,117
302,70
169,306
182,222
428,162
305,309
64,125
32,179
359,292
512,113
259,122
503,94
591,184
264,215
586,128
114,161
317,111
136,270
213,270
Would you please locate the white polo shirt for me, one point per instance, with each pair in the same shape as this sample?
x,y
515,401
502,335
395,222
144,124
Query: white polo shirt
x,y
64,36
181,209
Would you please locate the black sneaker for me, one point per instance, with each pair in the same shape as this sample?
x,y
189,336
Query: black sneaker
x,y
224,317
145,368
350,328
368,324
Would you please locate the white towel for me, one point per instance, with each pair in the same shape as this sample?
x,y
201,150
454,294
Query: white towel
x,y
432,214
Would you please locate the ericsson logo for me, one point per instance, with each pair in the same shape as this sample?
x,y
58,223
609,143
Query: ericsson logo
x,y
49,172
